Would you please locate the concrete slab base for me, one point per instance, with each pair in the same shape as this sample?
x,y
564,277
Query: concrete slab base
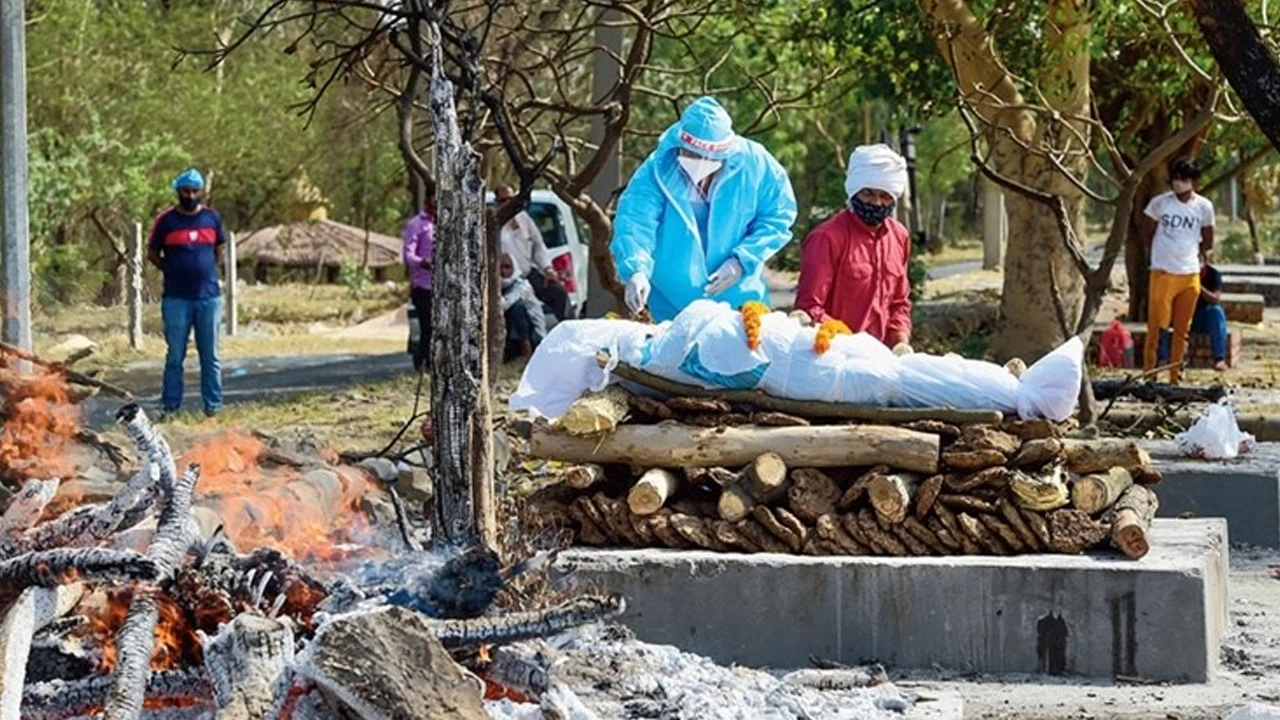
x,y
1245,491
1160,618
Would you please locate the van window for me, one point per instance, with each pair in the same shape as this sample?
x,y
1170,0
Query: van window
x,y
547,217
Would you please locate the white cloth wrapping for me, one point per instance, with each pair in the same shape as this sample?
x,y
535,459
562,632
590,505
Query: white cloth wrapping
x,y
706,345
877,167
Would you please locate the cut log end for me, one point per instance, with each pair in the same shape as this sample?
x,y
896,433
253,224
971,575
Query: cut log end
x,y
652,491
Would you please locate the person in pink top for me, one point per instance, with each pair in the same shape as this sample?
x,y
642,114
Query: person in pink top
x,y
853,267
419,241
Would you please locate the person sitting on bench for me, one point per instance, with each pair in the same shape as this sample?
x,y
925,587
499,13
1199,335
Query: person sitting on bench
x,y
1210,318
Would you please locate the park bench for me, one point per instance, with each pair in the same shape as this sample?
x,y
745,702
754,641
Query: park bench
x,y
1266,286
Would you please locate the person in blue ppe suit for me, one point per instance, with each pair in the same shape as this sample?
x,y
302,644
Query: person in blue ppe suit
x,y
701,216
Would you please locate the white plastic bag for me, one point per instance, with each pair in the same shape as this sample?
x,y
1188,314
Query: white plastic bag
x,y
1215,435
564,365
1050,388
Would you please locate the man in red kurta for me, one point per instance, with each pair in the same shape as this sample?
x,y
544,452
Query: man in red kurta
x,y
853,267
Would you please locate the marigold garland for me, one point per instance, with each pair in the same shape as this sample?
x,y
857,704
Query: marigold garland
x,y
826,331
752,311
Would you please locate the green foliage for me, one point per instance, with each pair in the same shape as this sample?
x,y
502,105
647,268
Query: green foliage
x,y
355,278
918,275
114,118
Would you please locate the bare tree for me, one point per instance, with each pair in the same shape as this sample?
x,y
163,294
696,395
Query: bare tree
x,y
1042,147
508,86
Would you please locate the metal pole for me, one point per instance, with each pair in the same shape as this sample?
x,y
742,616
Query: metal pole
x,y
13,174
233,317
907,143
134,288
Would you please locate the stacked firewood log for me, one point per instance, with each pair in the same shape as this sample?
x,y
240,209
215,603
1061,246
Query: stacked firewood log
x,y
703,471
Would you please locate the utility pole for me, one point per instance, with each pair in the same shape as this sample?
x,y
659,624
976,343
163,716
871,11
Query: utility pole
x,y
907,145
13,174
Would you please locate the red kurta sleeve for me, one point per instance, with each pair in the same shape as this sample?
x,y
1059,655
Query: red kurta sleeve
x,y
899,326
817,271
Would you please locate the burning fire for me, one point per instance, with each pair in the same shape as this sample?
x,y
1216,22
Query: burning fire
x,y
176,645
278,507
39,421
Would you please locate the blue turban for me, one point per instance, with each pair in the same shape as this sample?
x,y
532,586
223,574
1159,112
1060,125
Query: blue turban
x,y
189,180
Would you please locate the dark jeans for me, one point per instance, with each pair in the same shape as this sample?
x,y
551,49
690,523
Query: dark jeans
x,y
553,294
421,299
1210,320
520,333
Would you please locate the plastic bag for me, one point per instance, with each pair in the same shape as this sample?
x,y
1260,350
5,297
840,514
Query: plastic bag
x,y
564,365
1115,347
1050,388
1215,435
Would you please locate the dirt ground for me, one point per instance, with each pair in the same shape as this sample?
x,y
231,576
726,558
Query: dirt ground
x,y
1250,669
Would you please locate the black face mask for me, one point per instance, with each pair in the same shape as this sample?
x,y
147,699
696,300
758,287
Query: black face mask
x,y
871,214
188,203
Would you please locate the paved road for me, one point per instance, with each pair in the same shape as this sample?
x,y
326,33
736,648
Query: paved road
x,y
252,379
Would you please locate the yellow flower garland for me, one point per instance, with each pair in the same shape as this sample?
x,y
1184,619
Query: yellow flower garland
x,y
752,311
826,331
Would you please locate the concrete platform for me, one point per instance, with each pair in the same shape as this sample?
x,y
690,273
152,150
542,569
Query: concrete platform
x,y
1265,285
1244,491
1099,616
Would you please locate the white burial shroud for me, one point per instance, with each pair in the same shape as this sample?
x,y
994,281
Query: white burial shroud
x,y
706,345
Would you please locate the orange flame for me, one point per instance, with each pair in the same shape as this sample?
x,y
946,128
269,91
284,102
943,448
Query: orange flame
x,y
278,507
176,644
39,421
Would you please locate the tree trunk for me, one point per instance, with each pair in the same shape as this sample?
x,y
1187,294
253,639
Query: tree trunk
x,y
1244,59
1137,259
497,322
461,415
1043,291
1042,288
677,445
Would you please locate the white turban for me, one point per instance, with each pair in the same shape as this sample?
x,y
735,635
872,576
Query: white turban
x,y
877,167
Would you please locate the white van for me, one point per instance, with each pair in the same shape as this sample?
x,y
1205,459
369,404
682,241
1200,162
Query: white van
x,y
566,241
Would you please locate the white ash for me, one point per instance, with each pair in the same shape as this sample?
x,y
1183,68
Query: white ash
x,y
616,676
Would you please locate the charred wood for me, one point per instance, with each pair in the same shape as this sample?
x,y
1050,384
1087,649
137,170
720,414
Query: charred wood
x,y
60,699
513,627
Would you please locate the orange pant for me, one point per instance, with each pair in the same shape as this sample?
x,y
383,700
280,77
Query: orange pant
x,y
1171,302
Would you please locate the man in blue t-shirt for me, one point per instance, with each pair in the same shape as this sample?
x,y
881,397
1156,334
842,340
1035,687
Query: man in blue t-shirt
x,y
186,245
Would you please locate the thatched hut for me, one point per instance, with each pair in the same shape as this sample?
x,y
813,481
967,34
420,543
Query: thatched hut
x,y
312,246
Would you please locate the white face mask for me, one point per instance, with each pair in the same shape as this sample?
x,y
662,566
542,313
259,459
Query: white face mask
x,y
699,169
1181,186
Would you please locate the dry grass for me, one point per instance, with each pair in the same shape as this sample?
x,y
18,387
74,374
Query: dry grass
x,y
289,319
362,417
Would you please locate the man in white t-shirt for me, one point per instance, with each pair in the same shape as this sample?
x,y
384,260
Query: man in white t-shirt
x,y
1178,227
522,240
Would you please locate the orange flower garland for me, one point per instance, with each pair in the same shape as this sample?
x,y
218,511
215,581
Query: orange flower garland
x,y
752,311
827,330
